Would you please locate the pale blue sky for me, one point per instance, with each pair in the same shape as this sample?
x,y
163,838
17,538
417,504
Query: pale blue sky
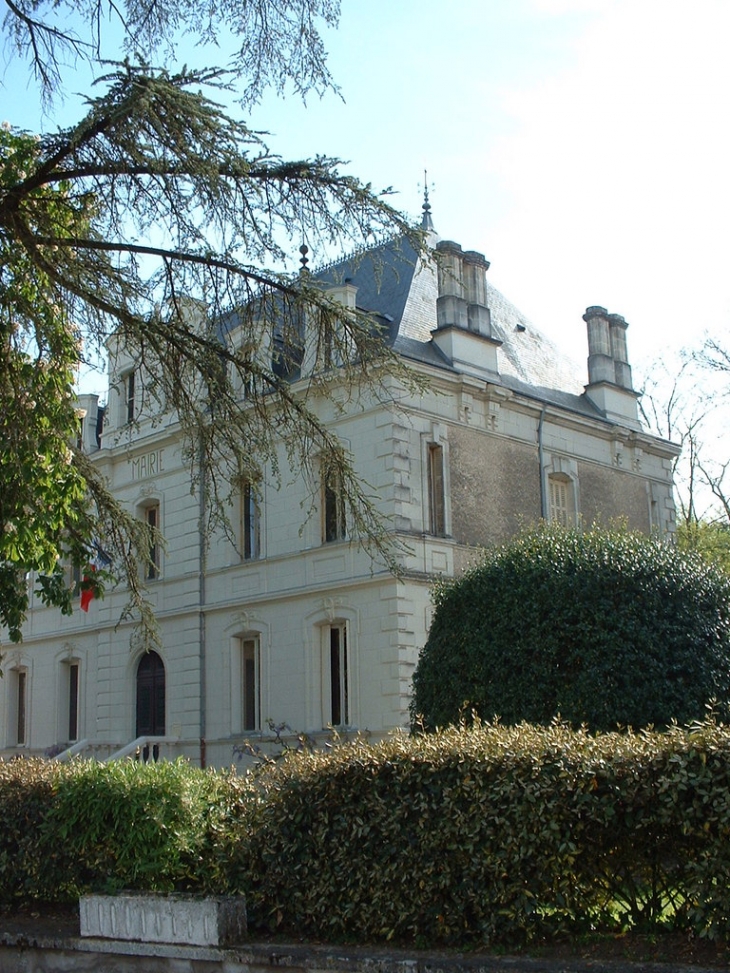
x,y
581,145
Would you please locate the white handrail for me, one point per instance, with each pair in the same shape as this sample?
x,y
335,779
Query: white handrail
x,y
71,751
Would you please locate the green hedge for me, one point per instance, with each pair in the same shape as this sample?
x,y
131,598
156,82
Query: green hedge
x,y
494,834
70,828
476,835
605,627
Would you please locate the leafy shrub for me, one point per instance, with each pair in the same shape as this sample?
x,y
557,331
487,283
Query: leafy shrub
x,y
26,793
86,826
486,834
492,834
603,628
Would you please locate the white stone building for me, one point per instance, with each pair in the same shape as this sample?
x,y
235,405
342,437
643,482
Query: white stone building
x,y
294,623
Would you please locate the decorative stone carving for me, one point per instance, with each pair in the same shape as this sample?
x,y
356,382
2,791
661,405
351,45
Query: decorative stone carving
x,y
219,921
330,606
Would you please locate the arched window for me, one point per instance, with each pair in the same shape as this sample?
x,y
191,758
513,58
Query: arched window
x,y
436,490
246,683
152,519
150,696
561,491
70,701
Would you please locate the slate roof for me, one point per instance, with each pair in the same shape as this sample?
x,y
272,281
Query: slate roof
x,y
383,276
392,284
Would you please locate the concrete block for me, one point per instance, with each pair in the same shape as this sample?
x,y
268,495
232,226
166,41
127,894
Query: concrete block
x,y
150,918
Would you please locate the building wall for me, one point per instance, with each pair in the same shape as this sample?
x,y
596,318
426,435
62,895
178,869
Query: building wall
x,y
495,486
500,450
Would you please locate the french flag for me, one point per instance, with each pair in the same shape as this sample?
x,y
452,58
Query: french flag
x,y
99,562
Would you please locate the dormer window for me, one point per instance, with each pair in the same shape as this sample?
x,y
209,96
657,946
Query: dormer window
x,y
327,343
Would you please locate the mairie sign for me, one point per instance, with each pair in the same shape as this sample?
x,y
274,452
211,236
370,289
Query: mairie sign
x,y
148,464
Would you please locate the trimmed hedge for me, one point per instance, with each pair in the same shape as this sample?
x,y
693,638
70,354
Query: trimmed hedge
x,y
85,826
605,628
477,835
494,835
26,796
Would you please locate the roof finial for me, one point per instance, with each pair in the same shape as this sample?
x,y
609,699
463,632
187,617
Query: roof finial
x,y
426,221
304,249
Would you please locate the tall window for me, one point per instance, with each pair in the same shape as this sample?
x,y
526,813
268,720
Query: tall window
x,y
250,529
129,393
73,702
251,683
333,504
336,676
560,497
150,696
152,519
436,491
21,701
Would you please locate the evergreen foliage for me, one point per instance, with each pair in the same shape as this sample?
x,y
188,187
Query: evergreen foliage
x,y
605,628
158,227
105,827
481,835
275,45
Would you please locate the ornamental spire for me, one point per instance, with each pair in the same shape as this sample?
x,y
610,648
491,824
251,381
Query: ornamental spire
x,y
426,221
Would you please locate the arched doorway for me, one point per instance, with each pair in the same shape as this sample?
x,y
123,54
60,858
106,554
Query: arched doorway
x,y
150,696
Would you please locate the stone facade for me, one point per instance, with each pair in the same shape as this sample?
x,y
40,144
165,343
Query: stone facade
x,y
301,630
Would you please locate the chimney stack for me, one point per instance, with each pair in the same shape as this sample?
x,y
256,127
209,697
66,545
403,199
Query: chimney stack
x,y
462,300
475,279
600,360
619,351
610,385
451,309
463,323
